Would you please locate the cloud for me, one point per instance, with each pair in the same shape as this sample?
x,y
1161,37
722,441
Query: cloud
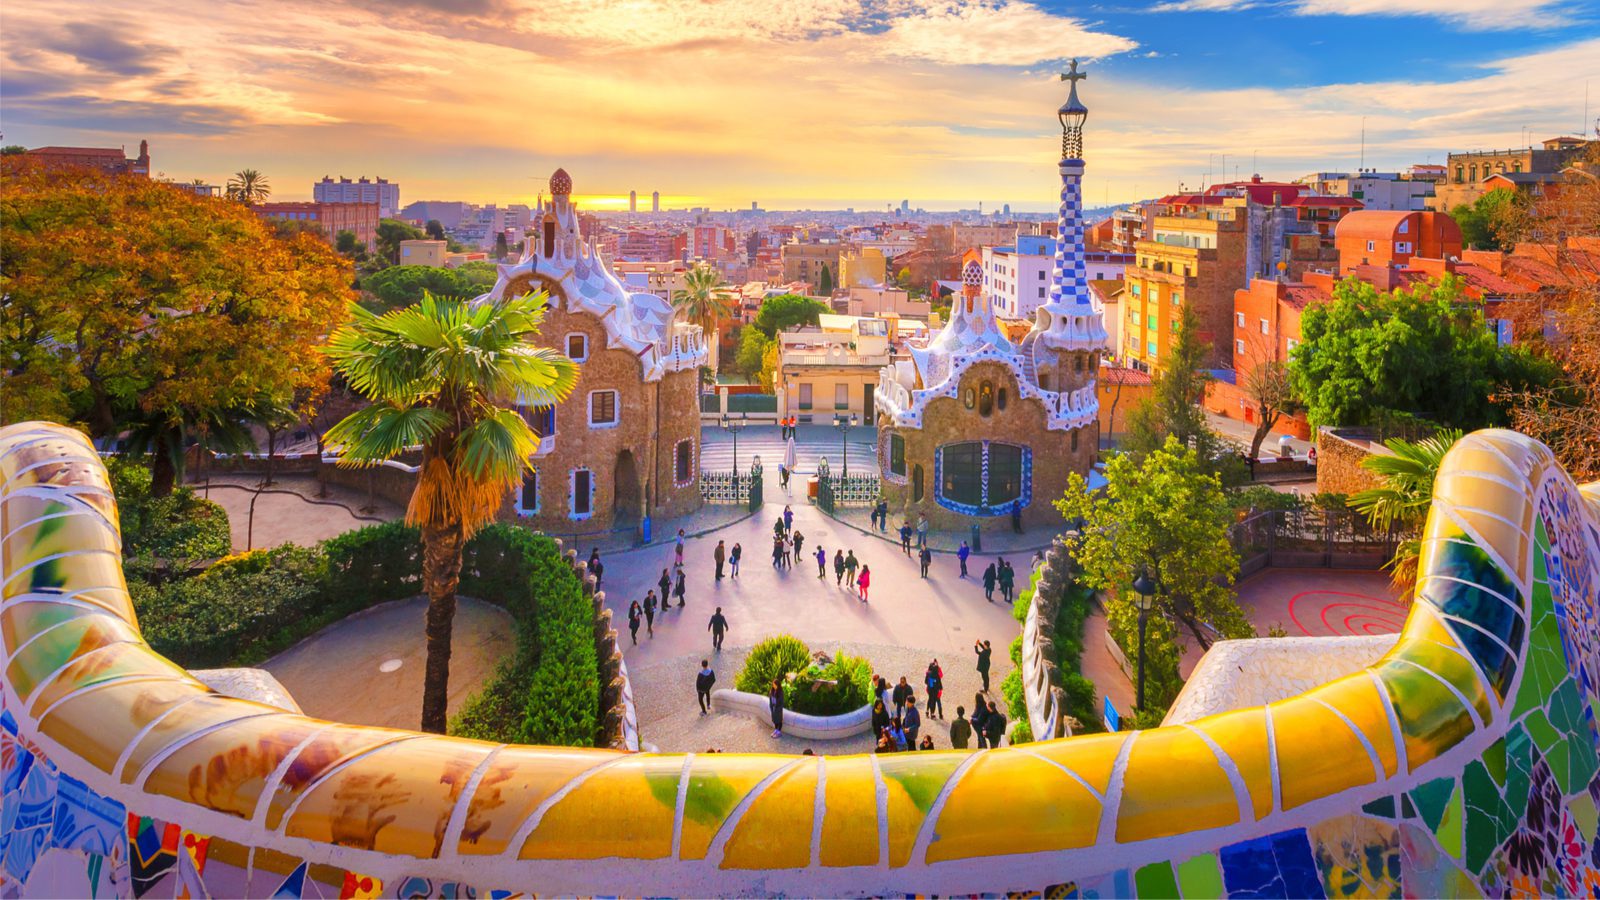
x,y
105,47
1006,33
1482,15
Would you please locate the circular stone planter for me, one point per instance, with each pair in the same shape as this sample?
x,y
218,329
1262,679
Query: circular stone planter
x,y
816,728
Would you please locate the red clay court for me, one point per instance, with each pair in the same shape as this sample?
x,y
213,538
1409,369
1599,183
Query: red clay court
x,y
1323,602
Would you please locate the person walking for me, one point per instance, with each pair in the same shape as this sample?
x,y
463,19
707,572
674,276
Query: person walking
x,y
838,568
933,683
980,711
665,584
1016,515
677,589
677,553
775,707
719,556
883,515
783,476
880,717
702,685
777,527
902,693
912,721
788,548
788,518
984,652
1007,577
596,568
960,730
799,545
905,536
962,555
994,725
989,578
850,566
922,529
718,626
733,560
822,563
925,556
777,550
635,616
864,581
650,613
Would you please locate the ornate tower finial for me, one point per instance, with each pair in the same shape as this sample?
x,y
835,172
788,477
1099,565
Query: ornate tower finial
x,y
1072,115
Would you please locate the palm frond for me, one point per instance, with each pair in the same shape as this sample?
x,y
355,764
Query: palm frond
x,y
496,447
382,431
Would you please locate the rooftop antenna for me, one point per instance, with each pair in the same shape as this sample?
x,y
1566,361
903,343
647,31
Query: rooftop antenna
x,y
1363,164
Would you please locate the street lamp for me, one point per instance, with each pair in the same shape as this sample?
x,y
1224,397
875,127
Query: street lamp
x,y
733,427
843,423
1145,587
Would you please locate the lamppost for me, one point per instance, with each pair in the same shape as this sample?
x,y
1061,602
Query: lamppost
x,y
843,423
733,427
1145,587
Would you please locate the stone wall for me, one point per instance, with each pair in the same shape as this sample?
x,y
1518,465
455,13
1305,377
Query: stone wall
x,y
947,420
1339,456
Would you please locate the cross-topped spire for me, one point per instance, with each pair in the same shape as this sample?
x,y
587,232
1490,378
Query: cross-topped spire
x,y
1072,115
1073,75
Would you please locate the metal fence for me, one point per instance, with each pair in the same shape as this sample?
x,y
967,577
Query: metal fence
x,y
1313,538
740,403
732,488
834,491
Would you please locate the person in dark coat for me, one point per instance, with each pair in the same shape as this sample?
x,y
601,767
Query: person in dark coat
x,y
905,537
933,681
925,556
989,578
775,707
994,725
635,617
1007,577
665,584
702,685
678,588
980,711
902,693
719,556
838,568
1016,516
880,717
650,613
985,652
960,730
718,627
912,720
962,555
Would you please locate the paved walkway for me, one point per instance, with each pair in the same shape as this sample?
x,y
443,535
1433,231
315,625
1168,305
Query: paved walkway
x,y
367,668
290,511
811,443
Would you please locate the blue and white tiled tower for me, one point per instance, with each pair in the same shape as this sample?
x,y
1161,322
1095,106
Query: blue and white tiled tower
x,y
1068,288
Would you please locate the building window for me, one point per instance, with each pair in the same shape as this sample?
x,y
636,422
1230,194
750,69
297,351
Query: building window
x,y
1150,349
1000,399
1077,362
577,347
1177,299
528,495
969,398
1238,346
1041,293
1265,328
897,455
1238,318
1402,247
986,398
581,497
841,396
1290,344
1150,322
805,396
983,478
541,420
1460,176
1372,246
683,462
917,489
1041,274
1044,381
602,409
1075,440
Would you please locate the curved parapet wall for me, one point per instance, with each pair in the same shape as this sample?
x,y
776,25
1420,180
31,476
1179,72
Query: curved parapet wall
x,y
1463,761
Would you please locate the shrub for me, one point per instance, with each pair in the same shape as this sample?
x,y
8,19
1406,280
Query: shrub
x,y
1260,498
180,526
248,608
374,564
773,658
841,686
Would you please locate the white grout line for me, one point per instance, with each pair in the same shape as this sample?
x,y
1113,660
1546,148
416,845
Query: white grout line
x,y
451,840
1105,835
1378,775
1241,791
719,841
1397,735
275,780
526,829
930,823
322,778
682,804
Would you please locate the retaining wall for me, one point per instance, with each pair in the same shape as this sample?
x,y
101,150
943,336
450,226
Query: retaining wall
x,y
1462,762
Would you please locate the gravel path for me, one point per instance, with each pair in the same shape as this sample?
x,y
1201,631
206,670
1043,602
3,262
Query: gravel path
x,y
670,718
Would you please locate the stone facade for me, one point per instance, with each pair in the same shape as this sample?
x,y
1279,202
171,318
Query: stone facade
x,y
1339,459
1055,454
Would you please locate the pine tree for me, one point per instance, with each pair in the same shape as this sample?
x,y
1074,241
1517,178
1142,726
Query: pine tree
x,y
825,282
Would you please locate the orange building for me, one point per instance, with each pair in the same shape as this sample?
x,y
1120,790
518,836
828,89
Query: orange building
x,y
1391,238
111,160
330,218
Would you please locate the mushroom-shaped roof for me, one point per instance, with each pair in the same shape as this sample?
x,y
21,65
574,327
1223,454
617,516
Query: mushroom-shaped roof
x,y
561,183
972,275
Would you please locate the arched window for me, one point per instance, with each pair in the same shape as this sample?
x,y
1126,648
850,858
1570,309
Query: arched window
x,y
969,398
549,237
528,496
917,489
897,455
683,463
986,398
1077,362
983,478
1000,399
1044,381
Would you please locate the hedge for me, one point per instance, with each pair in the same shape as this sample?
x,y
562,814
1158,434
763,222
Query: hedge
x,y
247,607
1080,692
180,526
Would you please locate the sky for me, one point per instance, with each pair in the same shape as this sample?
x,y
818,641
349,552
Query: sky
x,y
791,103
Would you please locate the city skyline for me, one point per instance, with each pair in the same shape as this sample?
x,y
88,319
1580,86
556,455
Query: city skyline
x,y
838,105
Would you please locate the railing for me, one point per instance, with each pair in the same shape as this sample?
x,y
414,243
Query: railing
x,y
725,487
834,491
1312,538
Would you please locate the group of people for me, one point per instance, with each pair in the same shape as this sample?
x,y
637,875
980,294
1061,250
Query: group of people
x,y
788,547
673,585
1001,575
897,722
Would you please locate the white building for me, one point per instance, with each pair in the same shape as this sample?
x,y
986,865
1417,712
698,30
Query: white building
x,y
1375,190
382,191
1016,279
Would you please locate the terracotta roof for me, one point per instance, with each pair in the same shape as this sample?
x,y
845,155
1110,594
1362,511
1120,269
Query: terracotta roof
x,y
1371,223
113,152
1123,375
1300,296
1488,283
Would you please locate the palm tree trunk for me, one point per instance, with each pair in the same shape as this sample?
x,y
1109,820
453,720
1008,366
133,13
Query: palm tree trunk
x,y
441,574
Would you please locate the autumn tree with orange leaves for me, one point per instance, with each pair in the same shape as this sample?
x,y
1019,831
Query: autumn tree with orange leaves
x,y
132,307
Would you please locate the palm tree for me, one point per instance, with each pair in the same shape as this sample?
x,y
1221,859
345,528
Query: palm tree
x,y
705,299
1402,501
248,187
446,376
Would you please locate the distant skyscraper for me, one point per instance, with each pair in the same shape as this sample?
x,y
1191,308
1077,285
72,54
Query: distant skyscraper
x,y
753,206
382,191
1006,210
905,206
633,201
655,201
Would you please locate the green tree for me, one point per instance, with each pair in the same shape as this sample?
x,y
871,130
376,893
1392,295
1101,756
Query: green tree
x,y
1423,352
12,150
445,375
705,299
1165,514
1401,502
345,242
500,246
399,286
391,232
825,281
786,311
476,277
249,187
752,349
1175,406
1490,221
435,229
128,304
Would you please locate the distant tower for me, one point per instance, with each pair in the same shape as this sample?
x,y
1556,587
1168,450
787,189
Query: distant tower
x,y
1007,210
754,207
1068,285
633,201
655,201
905,206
